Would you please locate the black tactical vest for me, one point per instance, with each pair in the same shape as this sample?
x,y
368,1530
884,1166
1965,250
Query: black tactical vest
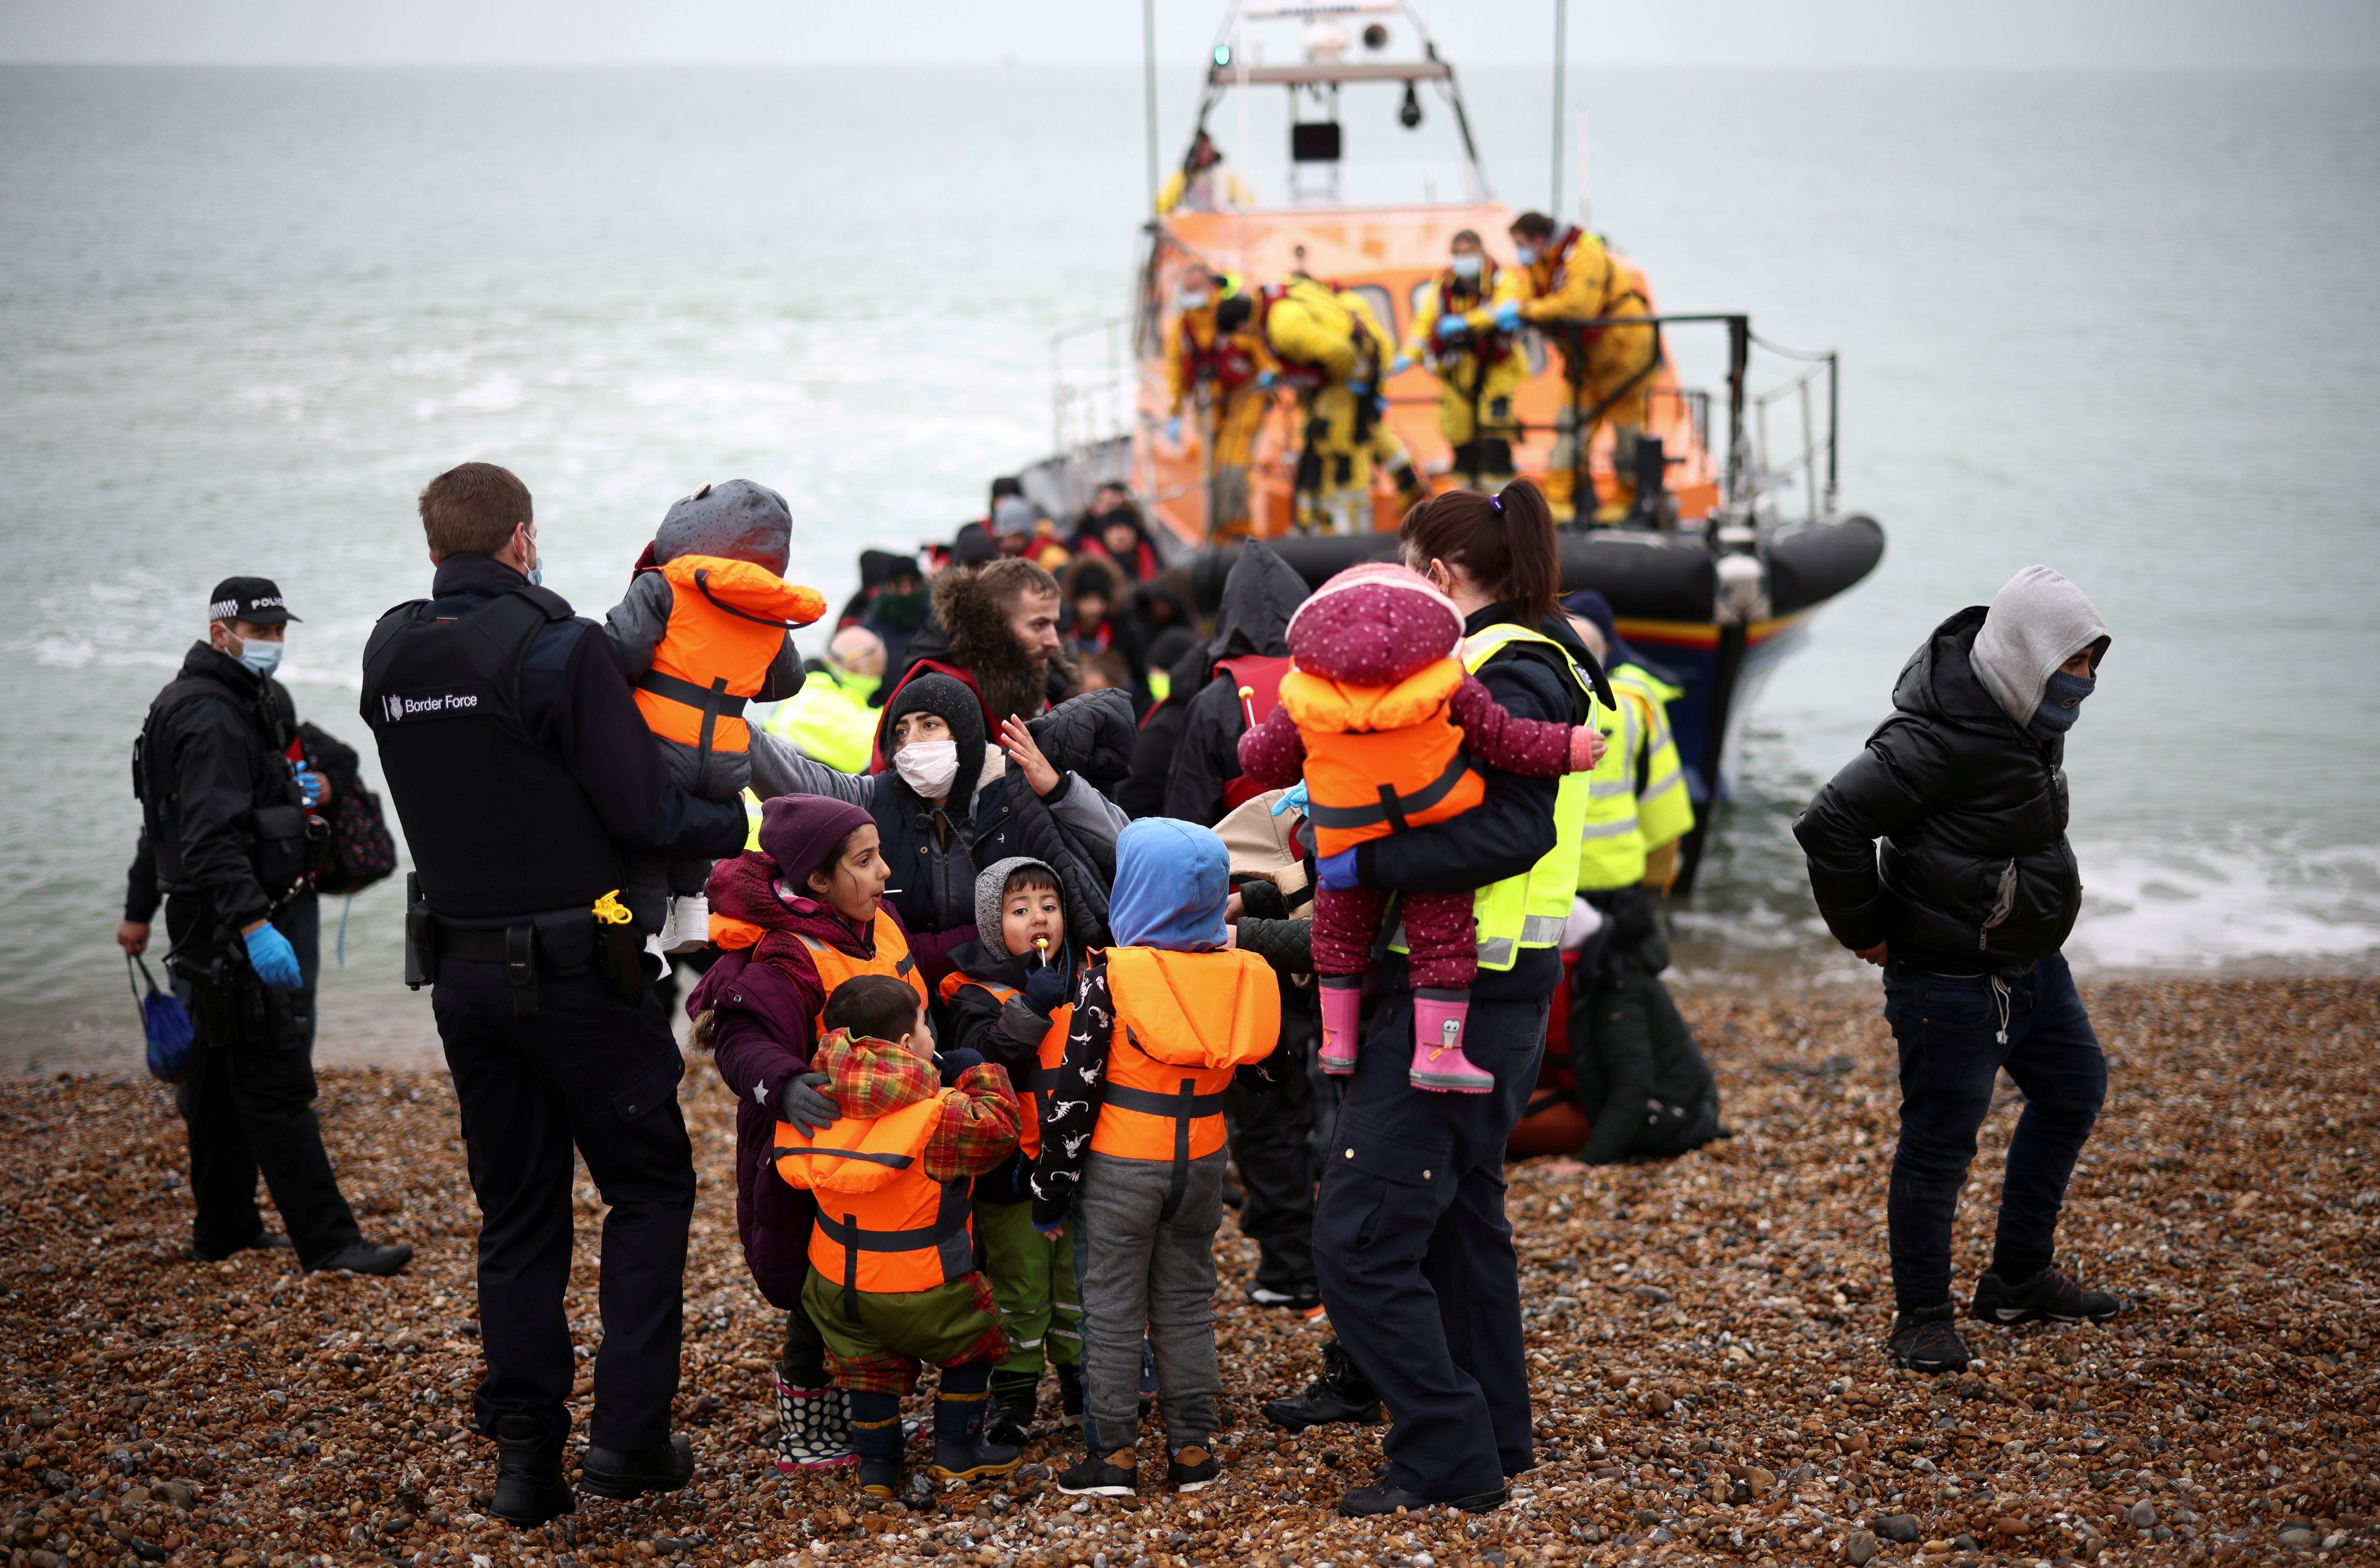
x,y
276,828
498,826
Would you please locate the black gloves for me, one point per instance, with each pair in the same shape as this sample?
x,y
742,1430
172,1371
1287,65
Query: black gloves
x,y
1045,987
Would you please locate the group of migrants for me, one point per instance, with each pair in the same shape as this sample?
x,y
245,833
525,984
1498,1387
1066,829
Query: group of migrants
x,y
1020,980
1233,351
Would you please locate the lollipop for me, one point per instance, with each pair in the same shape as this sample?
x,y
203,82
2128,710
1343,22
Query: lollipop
x,y
1042,942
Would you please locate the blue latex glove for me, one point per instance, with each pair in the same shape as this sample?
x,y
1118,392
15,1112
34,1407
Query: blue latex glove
x,y
1336,872
1508,316
1360,388
311,783
800,1102
1266,381
1401,364
1173,430
1454,327
275,961
1292,799
1045,987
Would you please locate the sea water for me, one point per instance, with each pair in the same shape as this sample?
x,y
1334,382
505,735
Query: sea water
x,y
2123,324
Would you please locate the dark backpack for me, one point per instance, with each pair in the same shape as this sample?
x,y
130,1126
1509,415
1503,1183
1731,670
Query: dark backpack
x,y
361,852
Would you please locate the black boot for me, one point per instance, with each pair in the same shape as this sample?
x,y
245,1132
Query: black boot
x,y
962,1451
1341,1393
1070,1395
665,1467
1016,1400
529,1485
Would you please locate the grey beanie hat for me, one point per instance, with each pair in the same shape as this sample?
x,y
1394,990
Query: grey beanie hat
x,y
737,521
990,884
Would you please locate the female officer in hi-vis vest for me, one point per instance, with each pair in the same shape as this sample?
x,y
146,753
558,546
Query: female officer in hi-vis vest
x,y
1410,1242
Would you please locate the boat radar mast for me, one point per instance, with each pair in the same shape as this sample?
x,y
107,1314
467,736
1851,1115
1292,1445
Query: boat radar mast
x,y
1388,44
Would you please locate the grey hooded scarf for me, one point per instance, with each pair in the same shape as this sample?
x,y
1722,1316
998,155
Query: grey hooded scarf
x,y
2037,621
991,885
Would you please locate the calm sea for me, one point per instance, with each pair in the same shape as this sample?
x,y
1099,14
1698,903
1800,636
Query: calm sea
x,y
2120,323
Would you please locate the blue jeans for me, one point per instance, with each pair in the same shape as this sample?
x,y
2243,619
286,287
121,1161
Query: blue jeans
x,y
1955,1034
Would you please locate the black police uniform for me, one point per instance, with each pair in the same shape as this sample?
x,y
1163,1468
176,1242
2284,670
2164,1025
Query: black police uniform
x,y
1414,1253
224,842
523,775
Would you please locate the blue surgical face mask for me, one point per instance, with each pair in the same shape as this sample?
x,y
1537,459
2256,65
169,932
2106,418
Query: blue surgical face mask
x,y
1526,255
1466,267
536,565
2061,703
258,656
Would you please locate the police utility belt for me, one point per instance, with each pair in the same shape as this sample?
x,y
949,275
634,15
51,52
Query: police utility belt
x,y
560,941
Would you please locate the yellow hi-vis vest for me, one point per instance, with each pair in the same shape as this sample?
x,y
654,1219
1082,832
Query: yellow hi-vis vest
x,y
1528,910
1622,825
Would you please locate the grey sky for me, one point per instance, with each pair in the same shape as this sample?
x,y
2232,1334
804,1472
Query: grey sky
x,y
1706,32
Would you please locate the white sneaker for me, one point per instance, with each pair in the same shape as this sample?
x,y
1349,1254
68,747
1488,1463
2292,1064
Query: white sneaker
x,y
687,927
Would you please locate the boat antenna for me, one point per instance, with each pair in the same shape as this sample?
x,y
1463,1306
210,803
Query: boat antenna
x,y
1148,91
1562,54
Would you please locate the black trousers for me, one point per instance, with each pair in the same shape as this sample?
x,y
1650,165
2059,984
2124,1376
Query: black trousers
x,y
1273,1144
600,1073
1415,1256
246,1099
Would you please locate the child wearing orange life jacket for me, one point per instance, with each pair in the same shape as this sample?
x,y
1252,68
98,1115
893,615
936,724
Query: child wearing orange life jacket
x,y
893,1281
1007,997
1164,1022
702,630
1388,729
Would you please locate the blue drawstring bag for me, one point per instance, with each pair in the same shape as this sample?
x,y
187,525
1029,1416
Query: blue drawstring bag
x,y
166,1022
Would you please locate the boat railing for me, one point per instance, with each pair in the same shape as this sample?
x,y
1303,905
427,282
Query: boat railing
x,y
1803,447
1446,182
1100,395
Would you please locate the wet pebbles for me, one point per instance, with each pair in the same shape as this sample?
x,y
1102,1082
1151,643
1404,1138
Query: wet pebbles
x,y
1704,1337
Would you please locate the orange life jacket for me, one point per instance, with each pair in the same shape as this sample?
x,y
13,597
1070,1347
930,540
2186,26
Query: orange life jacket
x,y
1380,759
1262,677
1182,1022
727,621
1225,359
1031,1082
834,966
883,1226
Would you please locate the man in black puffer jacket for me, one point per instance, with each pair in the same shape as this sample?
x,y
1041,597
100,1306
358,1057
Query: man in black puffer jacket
x,y
1966,911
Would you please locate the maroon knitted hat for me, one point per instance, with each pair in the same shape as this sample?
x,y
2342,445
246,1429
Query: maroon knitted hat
x,y
798,831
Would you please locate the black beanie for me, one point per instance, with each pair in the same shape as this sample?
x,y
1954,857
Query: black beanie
x,y
956,706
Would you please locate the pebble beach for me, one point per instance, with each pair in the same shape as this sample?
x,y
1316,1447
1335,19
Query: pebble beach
x,y
1707,1340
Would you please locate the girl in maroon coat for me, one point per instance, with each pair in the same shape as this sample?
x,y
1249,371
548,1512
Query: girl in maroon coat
x,y
817,874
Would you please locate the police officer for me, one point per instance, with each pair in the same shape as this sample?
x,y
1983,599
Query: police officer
x,y
524,775
223,841
1414,1251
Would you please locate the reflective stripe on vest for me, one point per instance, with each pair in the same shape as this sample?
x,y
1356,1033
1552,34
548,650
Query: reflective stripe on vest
x,y
1528,910
1613,842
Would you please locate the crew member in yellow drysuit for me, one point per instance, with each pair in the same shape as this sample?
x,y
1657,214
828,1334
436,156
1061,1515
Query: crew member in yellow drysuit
x,y
1478,368
1571,278
1202,184
1332,350
1214,356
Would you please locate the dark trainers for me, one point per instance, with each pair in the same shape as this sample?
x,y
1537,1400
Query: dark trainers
x,y
1923,1339
1341,1393
1192,1468
530,1487
1364,1502
1118,1474
2047,1295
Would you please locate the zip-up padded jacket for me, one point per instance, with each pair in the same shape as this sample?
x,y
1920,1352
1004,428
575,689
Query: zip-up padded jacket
x,y
1974,875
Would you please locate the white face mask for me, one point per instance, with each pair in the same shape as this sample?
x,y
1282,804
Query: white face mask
x,y
928,766
1467,266
1192,299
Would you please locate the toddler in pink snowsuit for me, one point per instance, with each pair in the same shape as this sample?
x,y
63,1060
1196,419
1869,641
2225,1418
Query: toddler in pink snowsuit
x,y
1390,732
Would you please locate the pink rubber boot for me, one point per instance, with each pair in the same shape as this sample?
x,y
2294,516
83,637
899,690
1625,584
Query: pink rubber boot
x,y
1342,1022
1438,1061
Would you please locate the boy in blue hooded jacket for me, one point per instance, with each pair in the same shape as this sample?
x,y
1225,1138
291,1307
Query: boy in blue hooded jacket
x,y
1131,1143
